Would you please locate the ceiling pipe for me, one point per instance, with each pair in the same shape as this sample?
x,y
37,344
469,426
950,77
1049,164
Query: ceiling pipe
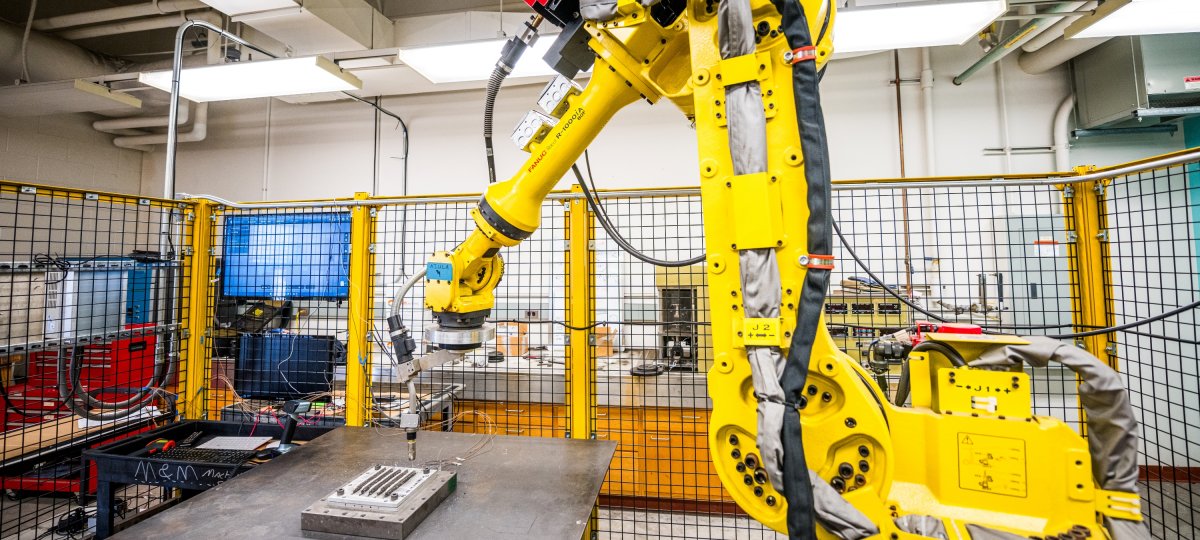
x,y
50,58
159,7
1062,134
1056,30
1056,54
143,142
927,109
119,125
1014,40
138,25
177,117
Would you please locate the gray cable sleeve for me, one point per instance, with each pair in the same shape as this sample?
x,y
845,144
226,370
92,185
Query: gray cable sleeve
x,y
1112,427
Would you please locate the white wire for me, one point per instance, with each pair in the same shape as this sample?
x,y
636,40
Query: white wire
x,y
25,41
408,285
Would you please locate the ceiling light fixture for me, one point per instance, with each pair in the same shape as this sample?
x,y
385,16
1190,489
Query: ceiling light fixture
x,y
873,26
474,60
265,78
240,7
1138,17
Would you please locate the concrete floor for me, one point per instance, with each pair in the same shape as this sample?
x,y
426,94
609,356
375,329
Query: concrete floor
x,y
31,518
1172,509
1172,512
620,524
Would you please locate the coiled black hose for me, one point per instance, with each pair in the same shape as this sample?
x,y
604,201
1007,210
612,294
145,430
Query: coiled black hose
x,y
904,386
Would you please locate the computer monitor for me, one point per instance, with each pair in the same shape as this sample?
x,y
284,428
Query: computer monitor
x,y
287,256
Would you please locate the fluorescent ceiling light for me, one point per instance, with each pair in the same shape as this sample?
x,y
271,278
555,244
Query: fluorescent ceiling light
x,y
267,78
239,7
474,60
1138,17
912,24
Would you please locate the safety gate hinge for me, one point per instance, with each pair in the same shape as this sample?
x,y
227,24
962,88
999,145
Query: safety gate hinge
x,y
187,251
1068,192
1072,237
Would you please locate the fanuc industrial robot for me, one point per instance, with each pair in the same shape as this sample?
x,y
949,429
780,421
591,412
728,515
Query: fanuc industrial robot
x,y
800,435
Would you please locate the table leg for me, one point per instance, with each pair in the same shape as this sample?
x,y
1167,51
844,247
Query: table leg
x,y
104,509
448,416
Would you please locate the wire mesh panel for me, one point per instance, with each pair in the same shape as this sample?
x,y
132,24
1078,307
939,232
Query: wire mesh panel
x,y
1153,238
93,291
280,319
990,256
653,348
996,257
514,384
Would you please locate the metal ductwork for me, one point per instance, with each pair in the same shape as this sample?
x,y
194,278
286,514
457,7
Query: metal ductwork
x,y
138,25
148,9
1055,54
1137,81
50,58
317,26
1056,30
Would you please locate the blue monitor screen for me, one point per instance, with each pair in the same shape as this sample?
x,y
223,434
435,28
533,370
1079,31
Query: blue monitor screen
x,y
284,256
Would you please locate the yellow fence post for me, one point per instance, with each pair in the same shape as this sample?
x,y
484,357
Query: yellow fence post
x,y
197,357
1089,258
580,372
580,302
358,352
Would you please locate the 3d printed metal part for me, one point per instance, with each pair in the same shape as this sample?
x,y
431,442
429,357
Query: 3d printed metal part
x,y
386,502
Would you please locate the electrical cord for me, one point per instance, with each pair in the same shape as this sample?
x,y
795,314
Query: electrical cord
x,y
25,42
8,404
63,264
605,323
402,124
1126,326
1095,331
616,236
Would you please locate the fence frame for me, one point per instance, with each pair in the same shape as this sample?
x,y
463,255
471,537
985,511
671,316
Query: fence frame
x,y
1083,200
1083,193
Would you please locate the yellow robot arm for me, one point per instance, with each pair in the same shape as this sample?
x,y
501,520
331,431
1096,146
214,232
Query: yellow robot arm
x,y
855,455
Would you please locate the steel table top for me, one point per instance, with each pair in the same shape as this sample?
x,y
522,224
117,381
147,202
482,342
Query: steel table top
x,y
523,487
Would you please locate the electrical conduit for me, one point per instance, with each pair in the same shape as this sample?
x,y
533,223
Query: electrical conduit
x,y
1015,40
1062,134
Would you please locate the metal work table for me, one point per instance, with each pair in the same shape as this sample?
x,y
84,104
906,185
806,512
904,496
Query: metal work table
x,y
547,384
524,487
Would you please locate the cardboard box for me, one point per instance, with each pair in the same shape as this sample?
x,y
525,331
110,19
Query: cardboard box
x,y
606,340
512,339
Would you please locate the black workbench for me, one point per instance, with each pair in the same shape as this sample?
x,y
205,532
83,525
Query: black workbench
x,y
124,462
524,487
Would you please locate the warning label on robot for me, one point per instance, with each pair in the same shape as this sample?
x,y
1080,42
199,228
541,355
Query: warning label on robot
x,y
992,464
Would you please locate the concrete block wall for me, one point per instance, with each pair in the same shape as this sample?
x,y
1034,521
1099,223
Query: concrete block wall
x,y
64,150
